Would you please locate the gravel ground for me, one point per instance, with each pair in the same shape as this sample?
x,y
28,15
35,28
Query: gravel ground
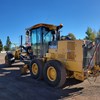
x,y
14,86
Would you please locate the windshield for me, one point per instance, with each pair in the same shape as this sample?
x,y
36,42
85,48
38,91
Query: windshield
x,y
47,35
40,39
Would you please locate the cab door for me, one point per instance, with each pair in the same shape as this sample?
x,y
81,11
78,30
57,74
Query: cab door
x,y
36,41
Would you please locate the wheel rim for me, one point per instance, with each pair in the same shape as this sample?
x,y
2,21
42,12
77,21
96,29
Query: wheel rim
x,y
35,69
51,73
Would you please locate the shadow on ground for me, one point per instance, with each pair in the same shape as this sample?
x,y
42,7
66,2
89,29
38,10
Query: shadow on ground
x,y
14,86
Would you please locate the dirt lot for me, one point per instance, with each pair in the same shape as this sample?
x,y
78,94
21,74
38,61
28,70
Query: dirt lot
x,y
14,86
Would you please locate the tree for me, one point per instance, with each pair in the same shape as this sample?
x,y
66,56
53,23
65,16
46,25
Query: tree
x,y
98,34
72,36
6,48
8,44
1,45
90,34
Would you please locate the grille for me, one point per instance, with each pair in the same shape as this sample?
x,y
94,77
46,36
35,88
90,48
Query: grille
x,y
71,50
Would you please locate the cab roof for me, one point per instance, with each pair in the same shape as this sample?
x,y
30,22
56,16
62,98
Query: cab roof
x,y
50,26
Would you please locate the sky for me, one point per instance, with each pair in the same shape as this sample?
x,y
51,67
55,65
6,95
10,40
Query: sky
x,y
75,15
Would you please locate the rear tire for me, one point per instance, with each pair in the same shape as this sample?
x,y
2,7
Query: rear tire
x,y
54,73
7,61
36,69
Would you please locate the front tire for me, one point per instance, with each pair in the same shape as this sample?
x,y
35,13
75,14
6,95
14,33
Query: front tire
x,y
36,69
54,73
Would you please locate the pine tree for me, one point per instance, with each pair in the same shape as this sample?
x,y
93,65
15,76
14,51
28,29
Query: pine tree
x,y
90,34
1,45
8,44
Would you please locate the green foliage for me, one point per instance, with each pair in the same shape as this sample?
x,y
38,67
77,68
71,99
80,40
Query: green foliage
x,y
90,34
72,36
8,44
98,34
69,36
7,47
1,45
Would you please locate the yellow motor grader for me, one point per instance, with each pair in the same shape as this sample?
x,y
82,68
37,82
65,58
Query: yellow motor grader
x,y
55,59
19,54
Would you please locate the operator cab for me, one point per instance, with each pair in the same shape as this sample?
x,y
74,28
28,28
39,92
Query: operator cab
x,y
42,37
